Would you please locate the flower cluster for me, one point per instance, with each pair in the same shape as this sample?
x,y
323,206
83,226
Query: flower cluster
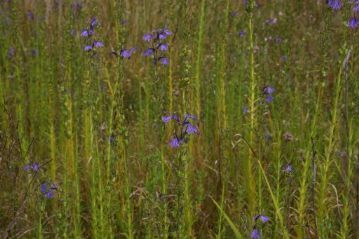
x,y
255,234
353,22
88,33
158,45
48,190
268,92
186,128
34,167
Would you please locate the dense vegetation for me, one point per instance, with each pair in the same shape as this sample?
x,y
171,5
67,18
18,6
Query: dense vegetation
x,y
179,119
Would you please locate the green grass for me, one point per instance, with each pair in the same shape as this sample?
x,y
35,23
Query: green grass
x,y
93,121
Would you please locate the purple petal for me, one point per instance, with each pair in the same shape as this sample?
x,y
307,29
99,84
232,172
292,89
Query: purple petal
x,y
268,90
353,23
163,60
93,22
43,188
167,32
132,50
166,119
49,194
255,234
149,52
35,167
334,4
147,37
288,168
127,53
162,35
263,218
174,143
88,48
191,129
98,44
27,167
163,46
85,33
269,99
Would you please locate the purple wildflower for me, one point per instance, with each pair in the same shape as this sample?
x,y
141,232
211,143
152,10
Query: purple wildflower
x,y
27,167
262,218
88,48
93,22
127,53
175,143
90,32
167,32
268,90
242,33
149,52
48,191
162,36
353,23
163,60
288,168
191,129
255,234
163,46
147,37
334,4
35,167
86,33
356,7
269,99
98,44
166,119
185,129
43,188
49,194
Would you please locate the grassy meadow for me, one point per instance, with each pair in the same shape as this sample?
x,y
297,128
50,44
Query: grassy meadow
x,y
207,119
